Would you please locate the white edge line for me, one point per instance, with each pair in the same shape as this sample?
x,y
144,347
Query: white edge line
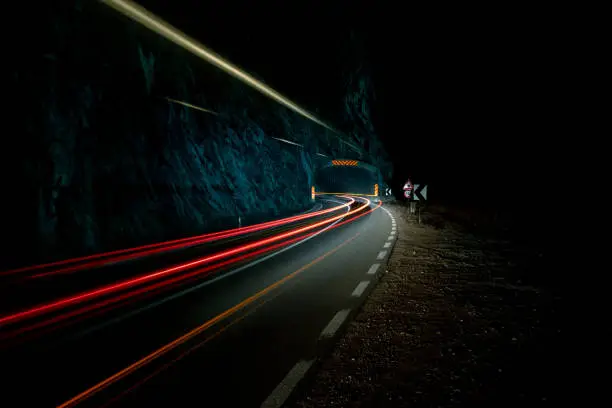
x,y
319,205
201,285
381,254
335,323
282,391
390,238
373,269
387,245
361,287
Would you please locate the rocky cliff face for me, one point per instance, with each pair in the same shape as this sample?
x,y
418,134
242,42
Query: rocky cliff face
x,y
104,157
357,109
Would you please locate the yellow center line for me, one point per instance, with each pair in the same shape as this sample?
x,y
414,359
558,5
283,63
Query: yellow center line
x,y
197,346
191,334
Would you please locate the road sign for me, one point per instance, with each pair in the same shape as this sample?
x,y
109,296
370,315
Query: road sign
x,y
345,162
388,191
408,188
420,192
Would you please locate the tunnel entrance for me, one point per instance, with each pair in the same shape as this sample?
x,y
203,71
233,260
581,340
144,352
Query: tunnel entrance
x,y
349,178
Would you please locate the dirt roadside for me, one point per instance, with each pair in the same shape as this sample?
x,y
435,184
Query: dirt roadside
x,y
451,323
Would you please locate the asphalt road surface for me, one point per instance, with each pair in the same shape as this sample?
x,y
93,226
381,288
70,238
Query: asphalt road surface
x,y
240,338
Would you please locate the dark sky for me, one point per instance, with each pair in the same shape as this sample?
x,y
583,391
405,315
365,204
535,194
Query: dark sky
x,y
463,95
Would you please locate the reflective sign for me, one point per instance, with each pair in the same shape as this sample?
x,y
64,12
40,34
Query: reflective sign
x,y
408,189
344,162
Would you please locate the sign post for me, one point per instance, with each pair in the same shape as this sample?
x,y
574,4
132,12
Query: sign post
x,y
414,193
420,194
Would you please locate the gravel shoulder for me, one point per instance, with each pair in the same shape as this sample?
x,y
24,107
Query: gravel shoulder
x,y
454,321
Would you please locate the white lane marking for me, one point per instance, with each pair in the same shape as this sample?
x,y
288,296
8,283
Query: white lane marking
x,y
360,288
390,238
373,269
393,229
392,233
387,245
317,206
282,391
335,323
381,254
201,285
388,212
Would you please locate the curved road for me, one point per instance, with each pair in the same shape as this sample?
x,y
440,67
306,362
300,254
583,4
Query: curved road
x,y
242,338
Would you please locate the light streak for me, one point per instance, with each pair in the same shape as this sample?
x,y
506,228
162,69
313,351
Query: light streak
x,y
287,141
196,331
163,273
156,24
102,259
189,105
153,289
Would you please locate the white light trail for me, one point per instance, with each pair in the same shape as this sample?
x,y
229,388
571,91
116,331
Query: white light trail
x,y
156,24
287,141
191,106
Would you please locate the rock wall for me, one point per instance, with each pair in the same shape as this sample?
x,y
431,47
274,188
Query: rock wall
x,y
100,158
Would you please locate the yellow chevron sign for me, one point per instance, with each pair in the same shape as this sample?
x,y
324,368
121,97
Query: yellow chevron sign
x,y
344,162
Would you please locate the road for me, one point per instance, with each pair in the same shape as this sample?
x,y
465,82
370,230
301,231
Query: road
x,y
239,338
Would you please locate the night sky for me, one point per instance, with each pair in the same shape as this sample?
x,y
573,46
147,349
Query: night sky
x,y
463,95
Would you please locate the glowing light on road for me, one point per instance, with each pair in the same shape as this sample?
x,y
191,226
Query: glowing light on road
x,y
97,260
196,331
156,24
163,273
203,327
106,304
312,192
